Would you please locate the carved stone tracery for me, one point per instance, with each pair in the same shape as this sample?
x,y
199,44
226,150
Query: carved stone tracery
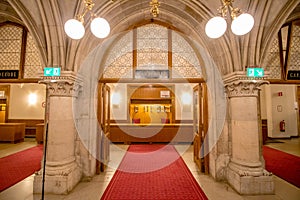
x,y
63,88
244,88
67,85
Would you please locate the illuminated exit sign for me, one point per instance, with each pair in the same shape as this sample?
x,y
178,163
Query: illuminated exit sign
x,y
255,72
52,71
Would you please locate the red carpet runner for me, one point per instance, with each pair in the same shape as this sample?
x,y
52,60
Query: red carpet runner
x,y
153,172
18,166
283,165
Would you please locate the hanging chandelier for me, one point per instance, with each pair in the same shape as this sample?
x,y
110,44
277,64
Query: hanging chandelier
x,y
74,28
241,24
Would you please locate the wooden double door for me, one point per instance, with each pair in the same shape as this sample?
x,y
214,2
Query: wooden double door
x,y
201,150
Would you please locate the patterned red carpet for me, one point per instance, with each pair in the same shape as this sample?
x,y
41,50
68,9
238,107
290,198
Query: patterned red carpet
x,y
18,166
283,165
153,172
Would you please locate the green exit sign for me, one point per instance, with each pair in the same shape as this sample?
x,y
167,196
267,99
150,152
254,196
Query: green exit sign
x,y
255,72
52,71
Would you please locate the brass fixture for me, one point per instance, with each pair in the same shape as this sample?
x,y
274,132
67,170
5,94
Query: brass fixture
x,y
154,8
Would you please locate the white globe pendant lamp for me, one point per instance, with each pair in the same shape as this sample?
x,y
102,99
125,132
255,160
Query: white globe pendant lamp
x,y
215,27
74,28
100,27
242,23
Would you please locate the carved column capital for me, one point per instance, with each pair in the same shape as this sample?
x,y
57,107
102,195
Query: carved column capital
x,y
68,84
244,88
238,84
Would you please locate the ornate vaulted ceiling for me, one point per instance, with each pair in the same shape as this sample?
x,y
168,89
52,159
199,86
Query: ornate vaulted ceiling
x,y
45,19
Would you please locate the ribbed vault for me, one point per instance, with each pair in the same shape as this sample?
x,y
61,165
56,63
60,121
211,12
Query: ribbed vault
x,y
45,19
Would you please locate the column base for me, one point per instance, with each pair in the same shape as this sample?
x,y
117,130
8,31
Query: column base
x,y
58,180
247,183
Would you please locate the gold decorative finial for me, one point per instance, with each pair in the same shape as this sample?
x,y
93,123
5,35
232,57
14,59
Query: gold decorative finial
x,y
154,8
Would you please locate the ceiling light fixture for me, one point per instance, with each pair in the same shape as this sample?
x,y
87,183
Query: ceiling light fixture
x,y
99,26
241,24
154,8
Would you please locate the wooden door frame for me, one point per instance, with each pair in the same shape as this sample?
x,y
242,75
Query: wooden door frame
x,y
6,89
103,117
298,99
201,130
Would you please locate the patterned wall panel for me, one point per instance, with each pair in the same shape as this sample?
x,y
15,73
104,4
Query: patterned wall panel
x,y
119,61
185,62
10,47
272,61
294,53
152,54
152,47
32,65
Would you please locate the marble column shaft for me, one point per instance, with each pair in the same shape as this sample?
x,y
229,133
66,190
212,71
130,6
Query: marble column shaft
x,y
246,173
62,172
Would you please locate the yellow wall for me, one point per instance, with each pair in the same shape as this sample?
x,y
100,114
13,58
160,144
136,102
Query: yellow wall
x,y
19,106
182,112
150,113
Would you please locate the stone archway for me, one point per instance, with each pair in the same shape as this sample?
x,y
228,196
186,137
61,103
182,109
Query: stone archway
x,y
85,111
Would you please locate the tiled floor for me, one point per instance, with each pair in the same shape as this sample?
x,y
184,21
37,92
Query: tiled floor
x,y
93,189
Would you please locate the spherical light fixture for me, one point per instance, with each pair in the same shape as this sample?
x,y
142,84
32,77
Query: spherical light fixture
x,y
74,29
242,24
100,27
215,27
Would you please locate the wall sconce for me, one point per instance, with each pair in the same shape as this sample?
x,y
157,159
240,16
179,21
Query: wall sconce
x,y
241,24
186,99
116,99
32,99
2,95
99,26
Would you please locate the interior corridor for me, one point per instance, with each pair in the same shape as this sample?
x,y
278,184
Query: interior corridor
x,y
94,188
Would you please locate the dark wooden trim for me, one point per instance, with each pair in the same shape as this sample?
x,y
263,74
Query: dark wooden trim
x,y
28,122
281,52
29,80
277,81
125,80
170,54
183,121
134,52
167,133
205,127
23,52
124,121
6,88
264,130
285,67
99,119
298,101
13,24
153,21
146,85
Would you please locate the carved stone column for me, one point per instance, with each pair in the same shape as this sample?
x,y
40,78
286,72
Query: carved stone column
x,y
62,172
246,173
